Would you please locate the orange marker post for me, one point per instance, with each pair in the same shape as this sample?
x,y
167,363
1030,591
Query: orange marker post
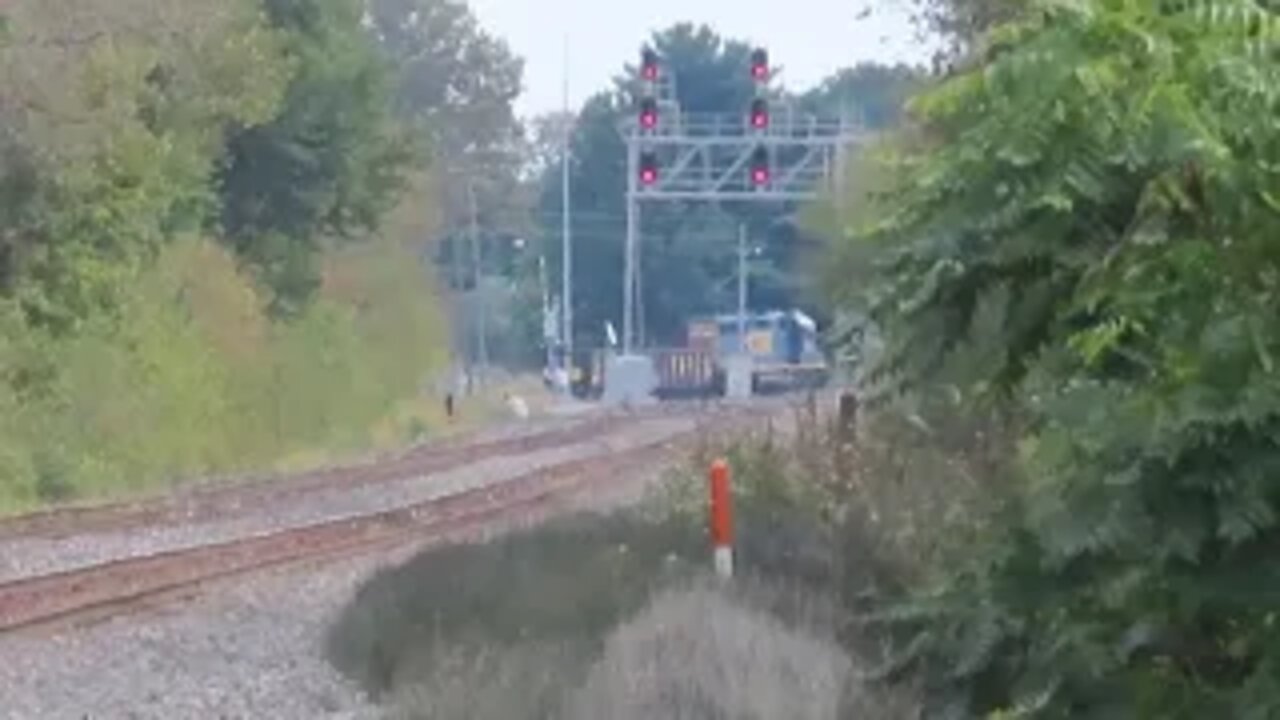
x,y
721,518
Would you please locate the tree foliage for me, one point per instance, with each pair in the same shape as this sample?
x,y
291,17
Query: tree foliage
x,y
456,85
871,94
112,126
1092,207
328,166
134,349
453,79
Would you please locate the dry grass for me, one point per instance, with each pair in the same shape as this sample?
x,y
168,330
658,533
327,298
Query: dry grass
x,y
698,651
695,654
423,417
524,681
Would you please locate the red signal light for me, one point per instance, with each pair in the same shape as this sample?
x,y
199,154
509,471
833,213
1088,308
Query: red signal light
x,y
760,167
759,114
760,65
649,64
648,114
648,169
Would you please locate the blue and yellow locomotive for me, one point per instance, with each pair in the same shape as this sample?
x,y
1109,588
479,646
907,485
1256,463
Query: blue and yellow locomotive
x,y
782,345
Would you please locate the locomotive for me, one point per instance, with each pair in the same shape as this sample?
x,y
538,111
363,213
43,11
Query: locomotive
x,y
782,344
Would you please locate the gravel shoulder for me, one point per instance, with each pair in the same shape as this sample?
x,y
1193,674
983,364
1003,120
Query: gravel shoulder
x,y
248,650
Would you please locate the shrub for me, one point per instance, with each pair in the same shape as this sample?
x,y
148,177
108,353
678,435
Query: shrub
x,y
694,654
568,581
519,681
1095,218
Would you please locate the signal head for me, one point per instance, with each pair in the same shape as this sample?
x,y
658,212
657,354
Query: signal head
x,y
649,64
760,167
759,114
648,113
648,169
760,64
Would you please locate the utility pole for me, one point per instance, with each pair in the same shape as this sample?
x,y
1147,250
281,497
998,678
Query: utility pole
x,y
482,341
566,326
742,288
548,336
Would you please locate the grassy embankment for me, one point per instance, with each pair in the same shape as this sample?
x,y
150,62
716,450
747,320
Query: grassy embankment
x,y
192,378
210,243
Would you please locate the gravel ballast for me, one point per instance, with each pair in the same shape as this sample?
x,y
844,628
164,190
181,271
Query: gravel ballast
x,y
251,650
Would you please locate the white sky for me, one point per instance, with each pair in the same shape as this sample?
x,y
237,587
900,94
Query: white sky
x,y
807,39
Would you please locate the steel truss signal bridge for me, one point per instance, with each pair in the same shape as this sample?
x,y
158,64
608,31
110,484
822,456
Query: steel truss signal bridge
x,y
754,157
720,158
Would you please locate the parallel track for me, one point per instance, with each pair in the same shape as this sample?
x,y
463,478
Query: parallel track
x,y
118,586
202,503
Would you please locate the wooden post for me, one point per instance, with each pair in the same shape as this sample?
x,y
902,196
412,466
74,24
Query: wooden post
x,y
848,415
721,518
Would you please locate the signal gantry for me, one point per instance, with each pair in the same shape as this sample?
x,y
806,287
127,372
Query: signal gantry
x,y
758,156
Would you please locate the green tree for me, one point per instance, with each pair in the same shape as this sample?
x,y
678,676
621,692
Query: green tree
x,y
112,126
453,79
872,94
456,85
329,166
958,24
1092,208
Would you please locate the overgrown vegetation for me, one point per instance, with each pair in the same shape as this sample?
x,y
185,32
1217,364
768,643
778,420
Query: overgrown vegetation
x,y
1079,231
210,243
546,623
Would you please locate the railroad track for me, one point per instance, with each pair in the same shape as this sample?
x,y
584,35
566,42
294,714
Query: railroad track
x,y
118,586
210,501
